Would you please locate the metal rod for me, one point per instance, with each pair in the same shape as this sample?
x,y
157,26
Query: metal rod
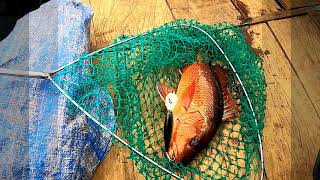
x,y
31,74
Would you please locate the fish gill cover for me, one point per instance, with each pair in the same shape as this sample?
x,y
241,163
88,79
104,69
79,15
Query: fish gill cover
x,y
129,71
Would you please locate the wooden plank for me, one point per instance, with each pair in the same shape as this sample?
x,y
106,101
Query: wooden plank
x,y
290,4
205,11
116,166
113,18
291,133
253,8
300,37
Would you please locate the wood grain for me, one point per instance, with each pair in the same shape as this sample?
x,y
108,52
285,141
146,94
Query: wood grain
x,y
290,4
291,133
113,18
254,8
205,11
300,37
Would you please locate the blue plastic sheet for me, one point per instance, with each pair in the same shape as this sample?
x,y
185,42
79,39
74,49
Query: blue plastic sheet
x,y
39,137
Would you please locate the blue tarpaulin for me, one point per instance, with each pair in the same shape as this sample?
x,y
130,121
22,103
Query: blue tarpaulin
x,y
39,137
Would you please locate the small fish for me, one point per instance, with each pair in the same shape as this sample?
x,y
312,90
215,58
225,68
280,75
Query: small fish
x,y
196,110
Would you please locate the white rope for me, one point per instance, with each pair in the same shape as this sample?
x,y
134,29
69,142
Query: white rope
x,y
109,131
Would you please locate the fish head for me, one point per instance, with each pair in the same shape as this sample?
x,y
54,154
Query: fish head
x,y
186,137
183,148
182,129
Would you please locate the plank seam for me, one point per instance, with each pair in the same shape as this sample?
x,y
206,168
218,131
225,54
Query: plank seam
x,y
306,6
234,3
167,3
92,30
279,15
295,72
282,4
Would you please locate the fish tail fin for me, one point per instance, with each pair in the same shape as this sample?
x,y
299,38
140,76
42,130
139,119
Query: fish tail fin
x,y
231,109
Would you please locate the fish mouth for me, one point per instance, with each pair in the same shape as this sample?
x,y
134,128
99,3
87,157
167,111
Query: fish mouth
x,y
171,160
171,154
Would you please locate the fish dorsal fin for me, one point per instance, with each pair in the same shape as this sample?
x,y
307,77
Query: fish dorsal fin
x,y
164,90
231,109
199,58
184,68
188,94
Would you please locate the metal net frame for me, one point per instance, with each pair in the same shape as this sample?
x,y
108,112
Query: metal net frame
x,y
128,71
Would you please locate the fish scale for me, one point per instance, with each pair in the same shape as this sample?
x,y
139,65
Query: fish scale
x,y
203,99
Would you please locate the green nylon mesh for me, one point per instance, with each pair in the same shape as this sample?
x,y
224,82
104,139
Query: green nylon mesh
x,y
129,72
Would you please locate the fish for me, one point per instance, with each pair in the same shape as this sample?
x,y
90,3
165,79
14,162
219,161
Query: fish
x,y
196,110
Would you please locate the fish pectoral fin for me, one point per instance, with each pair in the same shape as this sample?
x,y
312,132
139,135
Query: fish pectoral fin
x,y
231,109
164,90
187,95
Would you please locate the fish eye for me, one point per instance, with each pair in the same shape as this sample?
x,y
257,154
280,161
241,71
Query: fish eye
x,y
194,143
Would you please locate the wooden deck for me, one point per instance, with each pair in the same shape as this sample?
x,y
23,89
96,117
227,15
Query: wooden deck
x,y
286,33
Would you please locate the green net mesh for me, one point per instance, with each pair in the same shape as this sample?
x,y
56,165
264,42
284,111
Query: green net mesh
x,y
129,71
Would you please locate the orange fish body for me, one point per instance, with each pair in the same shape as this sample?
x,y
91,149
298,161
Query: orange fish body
x,y
197,111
